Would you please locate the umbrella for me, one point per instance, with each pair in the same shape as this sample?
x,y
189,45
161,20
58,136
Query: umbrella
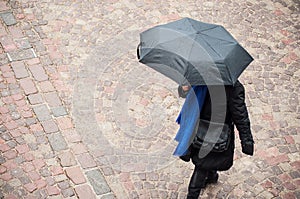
x,y
191,52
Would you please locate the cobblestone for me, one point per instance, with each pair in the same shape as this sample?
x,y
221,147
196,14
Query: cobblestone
x,y
59,111
35,99
57,141
67,159
8,18
19,70
76,175
84,191
68,192
19,55
86,160
50,126
42,112
38,72
28,86
98,182
94,123
52,99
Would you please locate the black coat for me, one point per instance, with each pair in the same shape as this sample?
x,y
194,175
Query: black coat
x,y
228,107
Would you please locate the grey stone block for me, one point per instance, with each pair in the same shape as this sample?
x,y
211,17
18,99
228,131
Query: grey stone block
x,y
57,141
59,111
35,98
23,54
98,182
108,196
23,43
8,18
42,112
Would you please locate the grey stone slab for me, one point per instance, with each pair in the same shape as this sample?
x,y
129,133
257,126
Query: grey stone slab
x,y
98,182
35,98
30,121
8,18
69,192
57,141
23,54
3,59
108,196
23,43
2,160
42,112
58,111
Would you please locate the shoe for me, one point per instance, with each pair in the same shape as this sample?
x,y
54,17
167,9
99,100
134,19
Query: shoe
x,y
212,178
197,183
185,158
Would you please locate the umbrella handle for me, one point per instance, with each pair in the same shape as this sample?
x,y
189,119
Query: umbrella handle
x,y
138,51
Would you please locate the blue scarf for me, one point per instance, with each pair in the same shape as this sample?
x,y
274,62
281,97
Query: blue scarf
x,y
188,117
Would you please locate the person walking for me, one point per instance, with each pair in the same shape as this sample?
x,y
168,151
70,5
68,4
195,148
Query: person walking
x,y
236,114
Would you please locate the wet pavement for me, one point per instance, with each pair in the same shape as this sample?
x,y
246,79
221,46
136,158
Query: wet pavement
x,y
81,118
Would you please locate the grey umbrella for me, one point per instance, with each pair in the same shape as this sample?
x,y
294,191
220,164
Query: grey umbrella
x,y
192,52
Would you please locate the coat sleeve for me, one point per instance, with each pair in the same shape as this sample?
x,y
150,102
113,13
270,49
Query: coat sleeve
x,y
239,113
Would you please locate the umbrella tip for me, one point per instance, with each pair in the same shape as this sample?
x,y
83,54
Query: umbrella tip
x,y
187,18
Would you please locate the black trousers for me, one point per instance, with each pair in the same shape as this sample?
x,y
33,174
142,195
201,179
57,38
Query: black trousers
x,y
198,181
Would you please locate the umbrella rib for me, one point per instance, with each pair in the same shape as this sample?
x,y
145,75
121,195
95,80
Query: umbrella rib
x,y
208,29
211,47
215,26
234,42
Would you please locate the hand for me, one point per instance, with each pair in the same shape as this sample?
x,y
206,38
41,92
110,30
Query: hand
x,y
185,88
248,147
183,91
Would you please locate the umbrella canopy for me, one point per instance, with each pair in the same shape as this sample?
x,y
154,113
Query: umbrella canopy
x,y
193,52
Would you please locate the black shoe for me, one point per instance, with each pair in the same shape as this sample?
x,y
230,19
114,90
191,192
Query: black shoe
x,y
212,178
185,158
197,183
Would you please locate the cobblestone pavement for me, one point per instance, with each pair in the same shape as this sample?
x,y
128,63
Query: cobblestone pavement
x,y
81,118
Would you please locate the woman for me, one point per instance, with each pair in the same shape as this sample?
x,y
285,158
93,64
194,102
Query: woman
x,y
233,102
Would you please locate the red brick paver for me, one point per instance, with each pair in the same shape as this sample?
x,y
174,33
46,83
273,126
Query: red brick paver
x,y
84,191
76,175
